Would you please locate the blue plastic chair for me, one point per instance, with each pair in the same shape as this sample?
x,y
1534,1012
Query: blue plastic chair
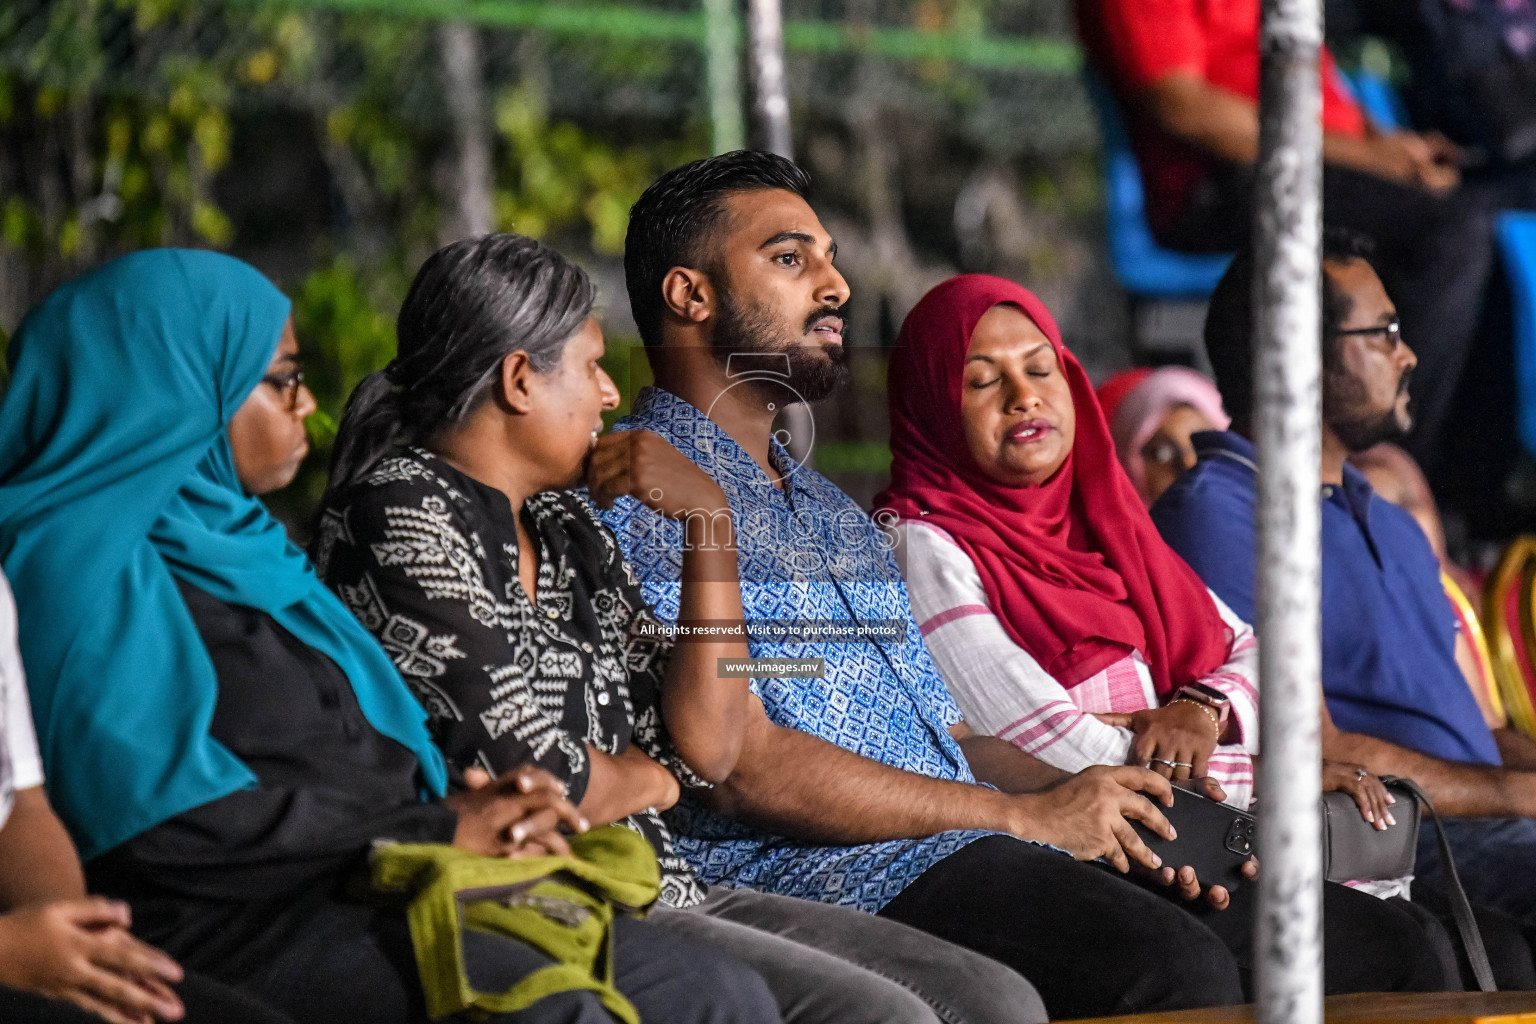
x,y
1143,268
1377,97
1517,243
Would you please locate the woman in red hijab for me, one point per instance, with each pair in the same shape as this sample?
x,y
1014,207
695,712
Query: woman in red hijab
x,y
1059,618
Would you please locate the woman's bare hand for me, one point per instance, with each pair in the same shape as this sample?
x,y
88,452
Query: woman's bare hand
x,y
80,951
1369,791
645,466
517,815
1175,741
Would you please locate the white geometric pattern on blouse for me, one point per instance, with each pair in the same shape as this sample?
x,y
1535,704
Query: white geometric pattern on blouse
x,y
1005,692
531,688
899,713
426,545
446,563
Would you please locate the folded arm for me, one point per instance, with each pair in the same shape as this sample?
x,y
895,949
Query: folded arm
x,y
1001,689
1004,691
1226,125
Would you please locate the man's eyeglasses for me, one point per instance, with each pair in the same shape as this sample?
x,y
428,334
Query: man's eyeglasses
x,y
287,385
1393,332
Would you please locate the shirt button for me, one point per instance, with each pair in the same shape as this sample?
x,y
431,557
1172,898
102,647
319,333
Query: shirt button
x,y
586,647
552,613
603,699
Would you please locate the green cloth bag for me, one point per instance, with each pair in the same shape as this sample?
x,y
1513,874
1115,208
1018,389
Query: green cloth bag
x,y
561,906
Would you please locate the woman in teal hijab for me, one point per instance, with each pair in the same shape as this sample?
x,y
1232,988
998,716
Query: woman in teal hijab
x,y
116,479
221,736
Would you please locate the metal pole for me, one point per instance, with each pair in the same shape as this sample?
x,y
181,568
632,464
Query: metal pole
x,y
1287,236
770,103
723,65
770,95
474,178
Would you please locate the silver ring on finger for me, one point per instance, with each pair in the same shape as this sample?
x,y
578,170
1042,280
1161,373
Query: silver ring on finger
x,y
1159,760
1178,764
1360,774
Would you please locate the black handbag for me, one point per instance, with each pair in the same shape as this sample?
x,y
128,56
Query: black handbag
x,y
1354,849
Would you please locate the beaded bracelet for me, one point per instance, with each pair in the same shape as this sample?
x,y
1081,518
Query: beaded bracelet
x,y
1210,712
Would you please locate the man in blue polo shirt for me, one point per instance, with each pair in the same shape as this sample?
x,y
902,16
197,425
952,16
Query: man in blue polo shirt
x,y
1395,699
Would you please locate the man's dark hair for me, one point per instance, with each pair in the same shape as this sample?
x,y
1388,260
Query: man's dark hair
x,y
1229,325
672,224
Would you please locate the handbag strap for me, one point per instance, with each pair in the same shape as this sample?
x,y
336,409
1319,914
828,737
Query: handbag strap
x,y
1466,924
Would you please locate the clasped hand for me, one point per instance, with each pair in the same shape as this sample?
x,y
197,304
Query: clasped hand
x,y
518,815
1175,741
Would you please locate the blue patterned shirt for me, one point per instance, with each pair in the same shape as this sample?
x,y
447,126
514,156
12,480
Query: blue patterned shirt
x,y
805,553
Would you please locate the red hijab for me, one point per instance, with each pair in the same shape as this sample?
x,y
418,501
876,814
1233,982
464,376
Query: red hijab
x,y
1073,567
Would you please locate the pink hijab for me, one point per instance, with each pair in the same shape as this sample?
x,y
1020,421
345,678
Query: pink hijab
x,y
1138,414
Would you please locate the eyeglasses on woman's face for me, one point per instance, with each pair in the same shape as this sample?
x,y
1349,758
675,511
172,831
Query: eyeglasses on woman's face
x,y
287,385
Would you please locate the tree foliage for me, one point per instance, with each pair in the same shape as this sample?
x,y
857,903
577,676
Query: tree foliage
x,y
118,118
133,123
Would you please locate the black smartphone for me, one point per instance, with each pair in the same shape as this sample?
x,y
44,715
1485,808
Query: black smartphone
x,y
1214,838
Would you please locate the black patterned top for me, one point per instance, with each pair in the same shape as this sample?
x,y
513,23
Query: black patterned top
x,y
426,558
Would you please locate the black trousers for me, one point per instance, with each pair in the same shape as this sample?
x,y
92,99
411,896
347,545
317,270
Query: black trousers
x,y
1097,944
1094,944
207,1002
355,962
1369,945
1435,254
1509,954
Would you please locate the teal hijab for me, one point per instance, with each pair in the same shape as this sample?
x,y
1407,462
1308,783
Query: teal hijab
x,y
116,476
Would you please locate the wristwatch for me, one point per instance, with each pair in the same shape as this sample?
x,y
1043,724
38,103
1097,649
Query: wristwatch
x,y
1210,698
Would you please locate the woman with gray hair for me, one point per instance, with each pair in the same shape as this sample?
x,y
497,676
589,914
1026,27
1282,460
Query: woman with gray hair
x,y
453,531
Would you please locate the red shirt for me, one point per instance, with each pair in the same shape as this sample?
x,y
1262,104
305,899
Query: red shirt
x,y
1134,43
